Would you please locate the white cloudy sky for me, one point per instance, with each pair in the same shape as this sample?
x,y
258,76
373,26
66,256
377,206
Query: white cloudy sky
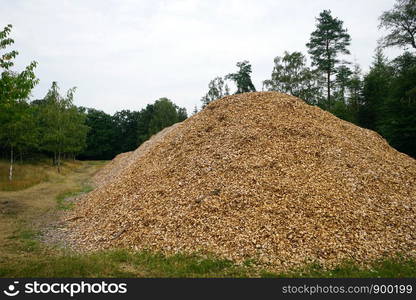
x,y
123,54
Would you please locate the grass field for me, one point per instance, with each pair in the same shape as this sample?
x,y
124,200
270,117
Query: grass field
x,y
28,205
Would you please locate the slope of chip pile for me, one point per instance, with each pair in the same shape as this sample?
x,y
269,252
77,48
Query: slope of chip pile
x,y
263,176
111,170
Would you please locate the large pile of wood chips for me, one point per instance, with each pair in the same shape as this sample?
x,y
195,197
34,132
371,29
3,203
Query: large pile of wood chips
x,y
263,176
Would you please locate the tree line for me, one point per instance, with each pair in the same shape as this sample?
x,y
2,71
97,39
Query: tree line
x,y
383,99
125,130
54,126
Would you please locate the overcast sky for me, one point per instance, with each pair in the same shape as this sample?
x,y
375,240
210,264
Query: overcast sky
x,y
124,54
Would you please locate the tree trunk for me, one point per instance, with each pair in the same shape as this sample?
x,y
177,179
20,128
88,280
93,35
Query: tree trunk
x,y
54,159
59,161
328,79
329,89
11,164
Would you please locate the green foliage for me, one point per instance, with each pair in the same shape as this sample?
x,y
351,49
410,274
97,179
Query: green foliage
x,y
144,118
398,122
101,137
216,90
163,113
342,81
242,78
17,124
6,58
401,24
355,93
376,89
16,119
13,85
125,123
291,75
62,126
126,130
328,41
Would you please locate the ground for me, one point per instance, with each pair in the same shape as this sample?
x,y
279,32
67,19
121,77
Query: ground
x,y
37,196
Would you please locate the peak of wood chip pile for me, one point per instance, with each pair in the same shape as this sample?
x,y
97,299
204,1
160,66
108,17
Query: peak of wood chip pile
x,y
262,176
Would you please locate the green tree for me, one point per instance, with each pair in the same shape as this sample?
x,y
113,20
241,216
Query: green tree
x,y
216,90
62,125
401,24
143,121
291,75
355,88
398,121
75,128
6,59
328,41
17,129
164,115
340,105
101,141
376,90
242,78
182,114
15,87
342,81
126,130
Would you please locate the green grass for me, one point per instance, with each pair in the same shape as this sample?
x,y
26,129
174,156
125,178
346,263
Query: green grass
x,y
24,240
117,263
62,198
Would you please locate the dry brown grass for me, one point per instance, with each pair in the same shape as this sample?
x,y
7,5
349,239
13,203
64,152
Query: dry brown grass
x,y
26,175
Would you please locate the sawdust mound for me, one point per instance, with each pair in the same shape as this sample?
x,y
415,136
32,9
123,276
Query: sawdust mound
x,y
263,176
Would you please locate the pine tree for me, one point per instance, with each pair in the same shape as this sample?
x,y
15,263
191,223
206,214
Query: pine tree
x,y
328,41
376,90
242,78
401,24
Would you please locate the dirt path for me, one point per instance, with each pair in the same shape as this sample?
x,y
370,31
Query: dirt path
x,y
30,209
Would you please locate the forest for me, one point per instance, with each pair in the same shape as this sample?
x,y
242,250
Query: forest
x,y
383,99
